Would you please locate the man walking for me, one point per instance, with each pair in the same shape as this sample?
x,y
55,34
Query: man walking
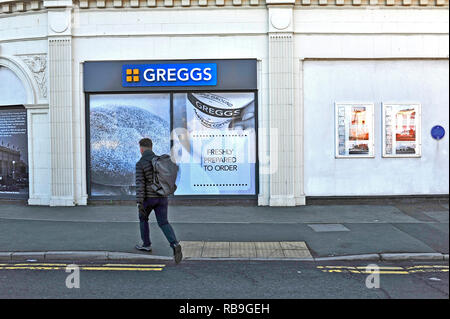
x,y
148,200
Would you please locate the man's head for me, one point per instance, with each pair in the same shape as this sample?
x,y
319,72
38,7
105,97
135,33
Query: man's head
x,y
145,144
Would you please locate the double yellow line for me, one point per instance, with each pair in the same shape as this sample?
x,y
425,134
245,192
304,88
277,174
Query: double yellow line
x,y
383,270
103,267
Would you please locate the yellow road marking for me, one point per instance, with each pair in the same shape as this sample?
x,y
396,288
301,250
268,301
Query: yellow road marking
x,y
65,264
133,265
359,267
116,268
428,270
427,266
390,268
37,264
384,270
81,268
367,272
62,266
32,268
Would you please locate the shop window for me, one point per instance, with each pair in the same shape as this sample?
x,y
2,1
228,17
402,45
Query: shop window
x,y
213,140
117,123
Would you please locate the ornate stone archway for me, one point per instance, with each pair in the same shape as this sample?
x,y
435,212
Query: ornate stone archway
x,y
31,71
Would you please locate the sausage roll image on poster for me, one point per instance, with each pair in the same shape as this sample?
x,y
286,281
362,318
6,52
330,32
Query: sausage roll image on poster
x,y
215,143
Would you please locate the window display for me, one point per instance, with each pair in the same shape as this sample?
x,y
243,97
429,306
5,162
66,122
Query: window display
x,y
201,112
215,142
354,130
117,123
401,127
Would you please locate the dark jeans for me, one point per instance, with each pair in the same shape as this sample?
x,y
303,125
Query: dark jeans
x,y
159,204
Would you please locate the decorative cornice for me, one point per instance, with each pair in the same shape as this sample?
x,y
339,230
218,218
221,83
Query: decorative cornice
x,y
18,6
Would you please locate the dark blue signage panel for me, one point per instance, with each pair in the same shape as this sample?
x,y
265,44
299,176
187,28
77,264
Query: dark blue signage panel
x,y
172,74
169,75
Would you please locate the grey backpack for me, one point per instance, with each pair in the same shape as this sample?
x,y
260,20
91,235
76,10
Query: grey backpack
x,y
164,175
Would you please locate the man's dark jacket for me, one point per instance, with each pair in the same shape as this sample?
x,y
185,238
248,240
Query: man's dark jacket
x,y
144,177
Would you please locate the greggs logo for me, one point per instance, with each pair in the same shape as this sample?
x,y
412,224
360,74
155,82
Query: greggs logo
x,y
179,74
213,110
132,75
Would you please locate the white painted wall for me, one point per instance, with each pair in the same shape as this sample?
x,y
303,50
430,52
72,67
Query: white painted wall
x,y
197,32
162,34
424,81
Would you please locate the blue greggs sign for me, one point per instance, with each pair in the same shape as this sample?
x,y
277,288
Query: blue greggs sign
x,y
173,74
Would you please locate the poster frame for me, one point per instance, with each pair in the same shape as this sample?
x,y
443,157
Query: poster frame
x,y
371,142
26,195
418,106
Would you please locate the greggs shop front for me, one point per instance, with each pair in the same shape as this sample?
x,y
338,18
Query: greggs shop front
x,y
202,112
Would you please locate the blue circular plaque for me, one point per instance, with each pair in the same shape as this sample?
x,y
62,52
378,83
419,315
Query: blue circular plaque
x,y
437,132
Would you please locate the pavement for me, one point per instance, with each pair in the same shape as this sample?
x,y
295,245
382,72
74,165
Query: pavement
x,y
381,230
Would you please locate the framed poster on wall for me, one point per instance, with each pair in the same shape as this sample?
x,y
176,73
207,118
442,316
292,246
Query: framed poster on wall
x,y
13,152
354,130
401,130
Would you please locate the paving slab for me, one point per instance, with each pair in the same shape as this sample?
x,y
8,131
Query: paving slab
x,y
293,245
216,214
431,234
362,239
328,227
440,216
268,245
296,253
269,253
214,252
243,249
371,229
217,245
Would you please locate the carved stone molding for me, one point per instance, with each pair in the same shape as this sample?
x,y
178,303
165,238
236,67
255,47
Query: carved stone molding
x,y
17,6
37,63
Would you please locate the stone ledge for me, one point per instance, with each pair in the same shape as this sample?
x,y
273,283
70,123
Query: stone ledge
x,y
17,6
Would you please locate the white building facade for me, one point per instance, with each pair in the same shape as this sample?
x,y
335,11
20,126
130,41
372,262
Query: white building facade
x,y
312,56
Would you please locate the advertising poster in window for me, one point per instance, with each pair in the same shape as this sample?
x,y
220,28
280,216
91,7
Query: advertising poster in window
x,y
354,130
401,130
117,123
215,143
13,152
